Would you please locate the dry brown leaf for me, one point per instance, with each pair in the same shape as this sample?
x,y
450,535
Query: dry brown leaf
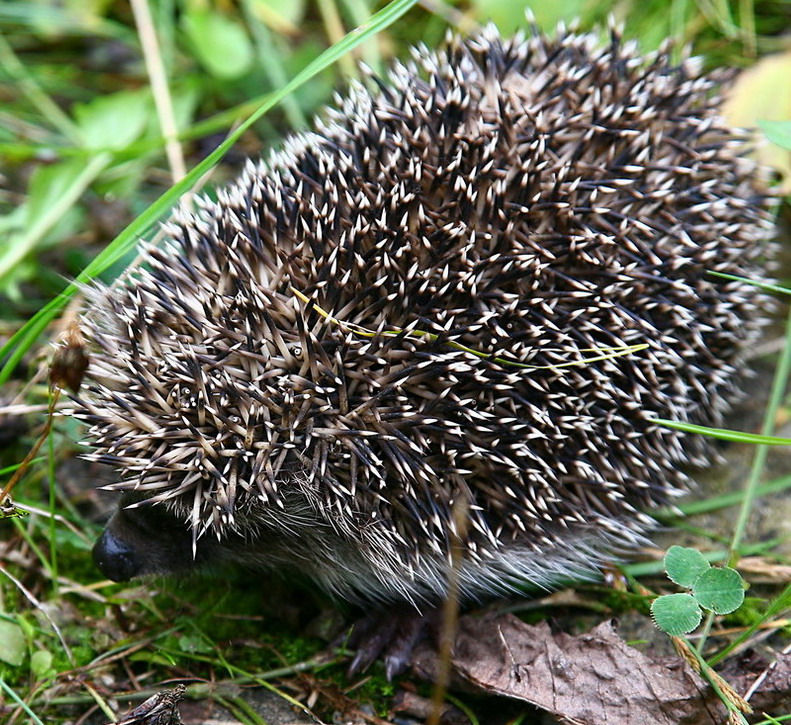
x,y
587,679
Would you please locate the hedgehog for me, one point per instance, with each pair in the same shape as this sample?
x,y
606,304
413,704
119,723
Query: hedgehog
x,y
474,286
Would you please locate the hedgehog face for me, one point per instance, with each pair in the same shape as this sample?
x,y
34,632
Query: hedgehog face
x,y
143,540
413,307
139,542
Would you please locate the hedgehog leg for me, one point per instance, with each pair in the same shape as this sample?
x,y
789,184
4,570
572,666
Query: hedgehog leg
x,y
390,635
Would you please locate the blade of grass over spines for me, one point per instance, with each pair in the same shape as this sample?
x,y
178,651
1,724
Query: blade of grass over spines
x,y
26,336
768,286
724,434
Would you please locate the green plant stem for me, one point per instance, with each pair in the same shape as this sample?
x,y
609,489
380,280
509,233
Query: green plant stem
x,y
53,547
12,469
652,568
678,14
761,451
747,22
241,710
725,500
100,702
706,673
780,603
159,86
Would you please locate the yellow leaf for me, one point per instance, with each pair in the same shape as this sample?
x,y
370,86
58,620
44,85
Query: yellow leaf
x,y
759,94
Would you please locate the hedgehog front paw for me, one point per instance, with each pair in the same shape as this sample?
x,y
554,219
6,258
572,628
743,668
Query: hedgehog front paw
x,y
390,635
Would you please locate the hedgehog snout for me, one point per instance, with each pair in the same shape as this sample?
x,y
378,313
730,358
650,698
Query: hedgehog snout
x,y
143,538
115,558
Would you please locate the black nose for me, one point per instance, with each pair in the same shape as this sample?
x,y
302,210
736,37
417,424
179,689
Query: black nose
x,y
115,559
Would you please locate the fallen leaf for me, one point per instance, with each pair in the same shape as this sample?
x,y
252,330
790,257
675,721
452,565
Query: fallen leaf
x,y
754,97
585,679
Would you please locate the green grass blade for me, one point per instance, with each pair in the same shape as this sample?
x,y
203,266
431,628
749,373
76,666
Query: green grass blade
x,y
768,286
34,719
723,500
724,434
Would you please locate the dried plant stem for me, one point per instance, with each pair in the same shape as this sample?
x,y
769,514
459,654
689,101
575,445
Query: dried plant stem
x,y
159,87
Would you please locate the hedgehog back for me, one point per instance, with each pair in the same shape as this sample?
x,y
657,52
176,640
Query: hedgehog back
x,y
379,322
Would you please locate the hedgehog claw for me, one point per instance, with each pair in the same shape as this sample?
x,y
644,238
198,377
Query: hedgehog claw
x,y
390,635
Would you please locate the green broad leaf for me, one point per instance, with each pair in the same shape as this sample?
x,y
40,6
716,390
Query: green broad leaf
x,y
684,565
12,643
113,121
724,434
778,132
221,44
676,614
195,644
48,184
41,664
720,589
